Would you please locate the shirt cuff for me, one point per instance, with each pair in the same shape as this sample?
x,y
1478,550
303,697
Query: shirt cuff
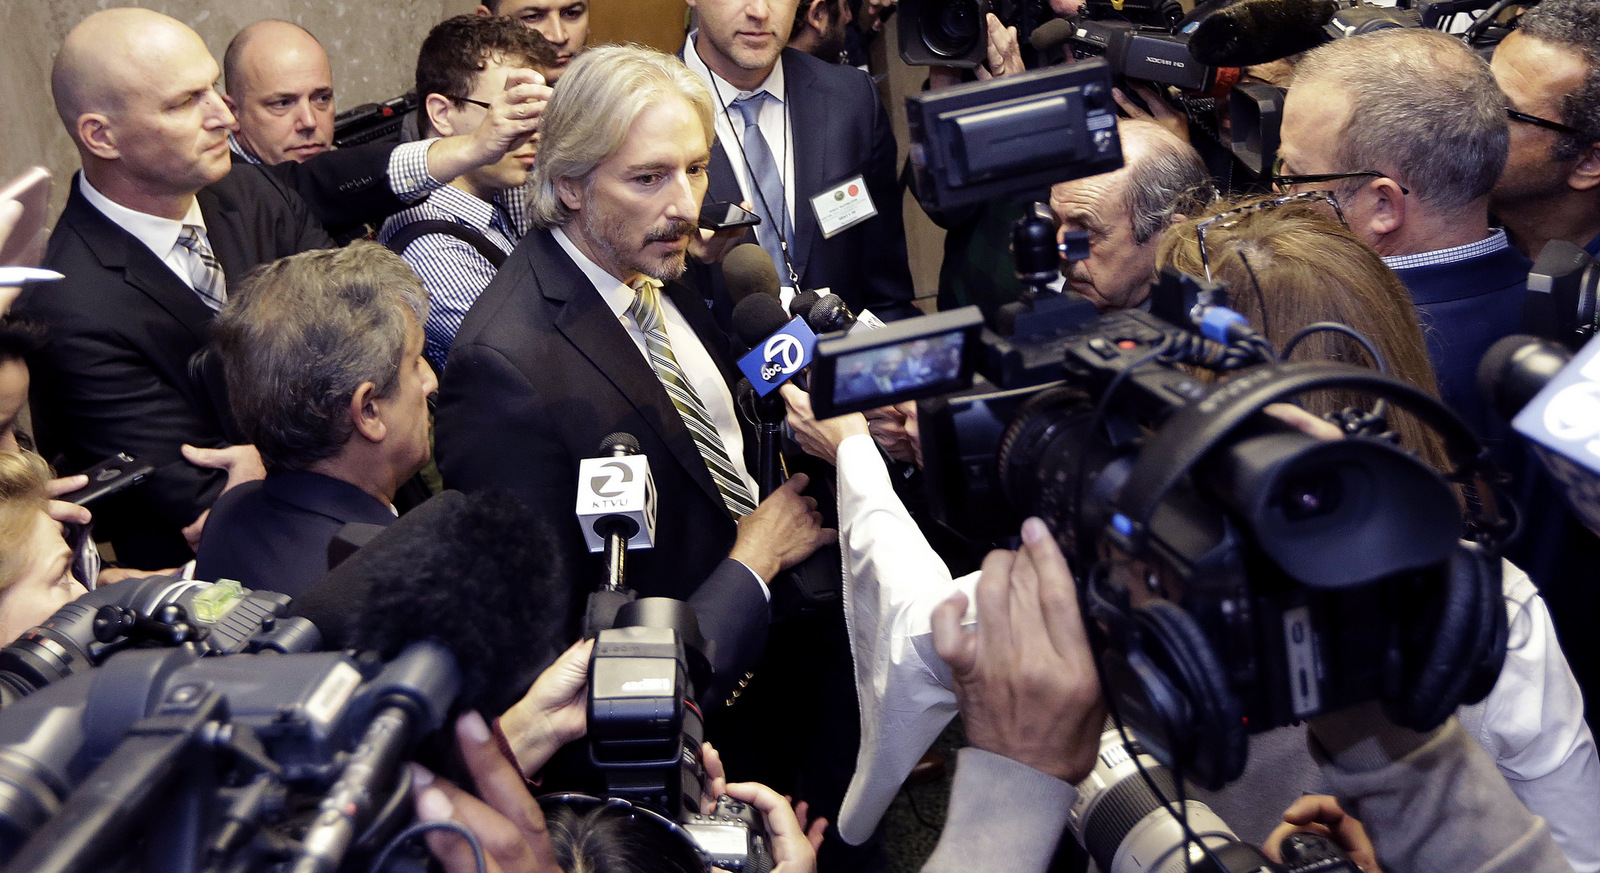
x,y
765,591
408,171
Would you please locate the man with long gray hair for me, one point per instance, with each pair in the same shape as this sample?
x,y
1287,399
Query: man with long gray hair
x,y
323,357
1408,130
586,332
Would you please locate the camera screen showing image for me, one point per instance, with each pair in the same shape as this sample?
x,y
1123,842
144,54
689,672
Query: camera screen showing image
x,y
911,359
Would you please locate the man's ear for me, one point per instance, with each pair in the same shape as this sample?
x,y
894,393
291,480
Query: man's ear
x,y
365,414
571,193
98,136
1177,218
482,10
1389,210
817,17
437,108
1585,174
232,104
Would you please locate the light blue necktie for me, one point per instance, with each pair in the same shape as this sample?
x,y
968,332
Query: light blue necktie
x,y
769,182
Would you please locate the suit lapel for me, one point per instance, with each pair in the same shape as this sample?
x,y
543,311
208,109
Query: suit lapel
x,y
811,141
589,324
120,251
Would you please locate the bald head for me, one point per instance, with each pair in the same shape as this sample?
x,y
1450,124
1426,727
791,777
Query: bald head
x,y
134,89
111,52
281,87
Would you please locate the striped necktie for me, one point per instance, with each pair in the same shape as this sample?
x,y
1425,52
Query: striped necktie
x,y
204,271
646,312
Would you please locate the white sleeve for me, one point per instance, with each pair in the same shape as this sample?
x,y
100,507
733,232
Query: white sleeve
x,y
892,581
1532,725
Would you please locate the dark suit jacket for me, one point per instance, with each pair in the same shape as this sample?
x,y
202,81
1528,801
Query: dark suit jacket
x,y
540,372
123,327
274,534
839,128
346,189
1464,308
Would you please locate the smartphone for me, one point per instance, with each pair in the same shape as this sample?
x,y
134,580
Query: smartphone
x,y
108,477
722,216
31,189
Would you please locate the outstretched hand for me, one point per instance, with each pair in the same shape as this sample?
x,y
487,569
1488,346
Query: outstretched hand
x,y
1025,678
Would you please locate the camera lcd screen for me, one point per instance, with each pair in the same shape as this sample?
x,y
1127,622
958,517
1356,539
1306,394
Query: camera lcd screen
x,y
909,359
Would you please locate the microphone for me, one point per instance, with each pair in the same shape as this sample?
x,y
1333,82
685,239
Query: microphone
x,y
1258,31
830,314
482,575
1551,396
800,306
1053,34
776,353
617,510
748,270
757,317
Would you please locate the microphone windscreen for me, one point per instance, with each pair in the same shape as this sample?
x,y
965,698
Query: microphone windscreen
x,y
830,314
800,306
1051,34
1516,368
1258,31
627,443
748,270
758,317
481,575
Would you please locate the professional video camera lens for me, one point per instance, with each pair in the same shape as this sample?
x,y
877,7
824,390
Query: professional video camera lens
x,y
954,27
1567,281
1041,456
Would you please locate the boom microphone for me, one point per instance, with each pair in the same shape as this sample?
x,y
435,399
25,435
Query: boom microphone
x,y
748,270
482,575
1258,31
1053,34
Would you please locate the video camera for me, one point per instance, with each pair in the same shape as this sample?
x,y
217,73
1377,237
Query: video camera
x,y
645,729
161,759
211,619
1564,298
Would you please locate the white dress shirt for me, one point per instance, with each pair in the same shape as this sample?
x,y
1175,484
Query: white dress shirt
x,y
159,235
691,354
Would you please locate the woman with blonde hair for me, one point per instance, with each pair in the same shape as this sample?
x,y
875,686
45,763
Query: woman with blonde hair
x,y
1289,262
35,562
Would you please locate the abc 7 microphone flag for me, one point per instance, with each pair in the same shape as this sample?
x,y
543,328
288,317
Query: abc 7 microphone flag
x,y
778,357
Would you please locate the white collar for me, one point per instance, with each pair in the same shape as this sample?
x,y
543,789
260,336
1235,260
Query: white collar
x,y
158,234
723,91
613,291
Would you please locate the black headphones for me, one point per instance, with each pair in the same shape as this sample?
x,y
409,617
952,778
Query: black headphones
x,y
1168,680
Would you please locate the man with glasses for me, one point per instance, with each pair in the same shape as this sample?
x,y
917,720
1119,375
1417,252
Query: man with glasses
x,y
1549,70
457,238
1125,212
1409,131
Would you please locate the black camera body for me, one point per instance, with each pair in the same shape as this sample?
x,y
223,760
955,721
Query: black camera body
x,y
1144,54
645,730
1237,574
1563,286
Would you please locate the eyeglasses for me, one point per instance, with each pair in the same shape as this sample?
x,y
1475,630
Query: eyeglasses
x,y
472,101
1231,217
1280,181
1545,123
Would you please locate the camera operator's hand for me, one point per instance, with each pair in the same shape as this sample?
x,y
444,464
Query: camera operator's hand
x,y
895,429
507,821
711,246
61,510
512,119
792,850
552,713
819,438
1320,814
783,531
1004,55
1160,112
1025,679
243,464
